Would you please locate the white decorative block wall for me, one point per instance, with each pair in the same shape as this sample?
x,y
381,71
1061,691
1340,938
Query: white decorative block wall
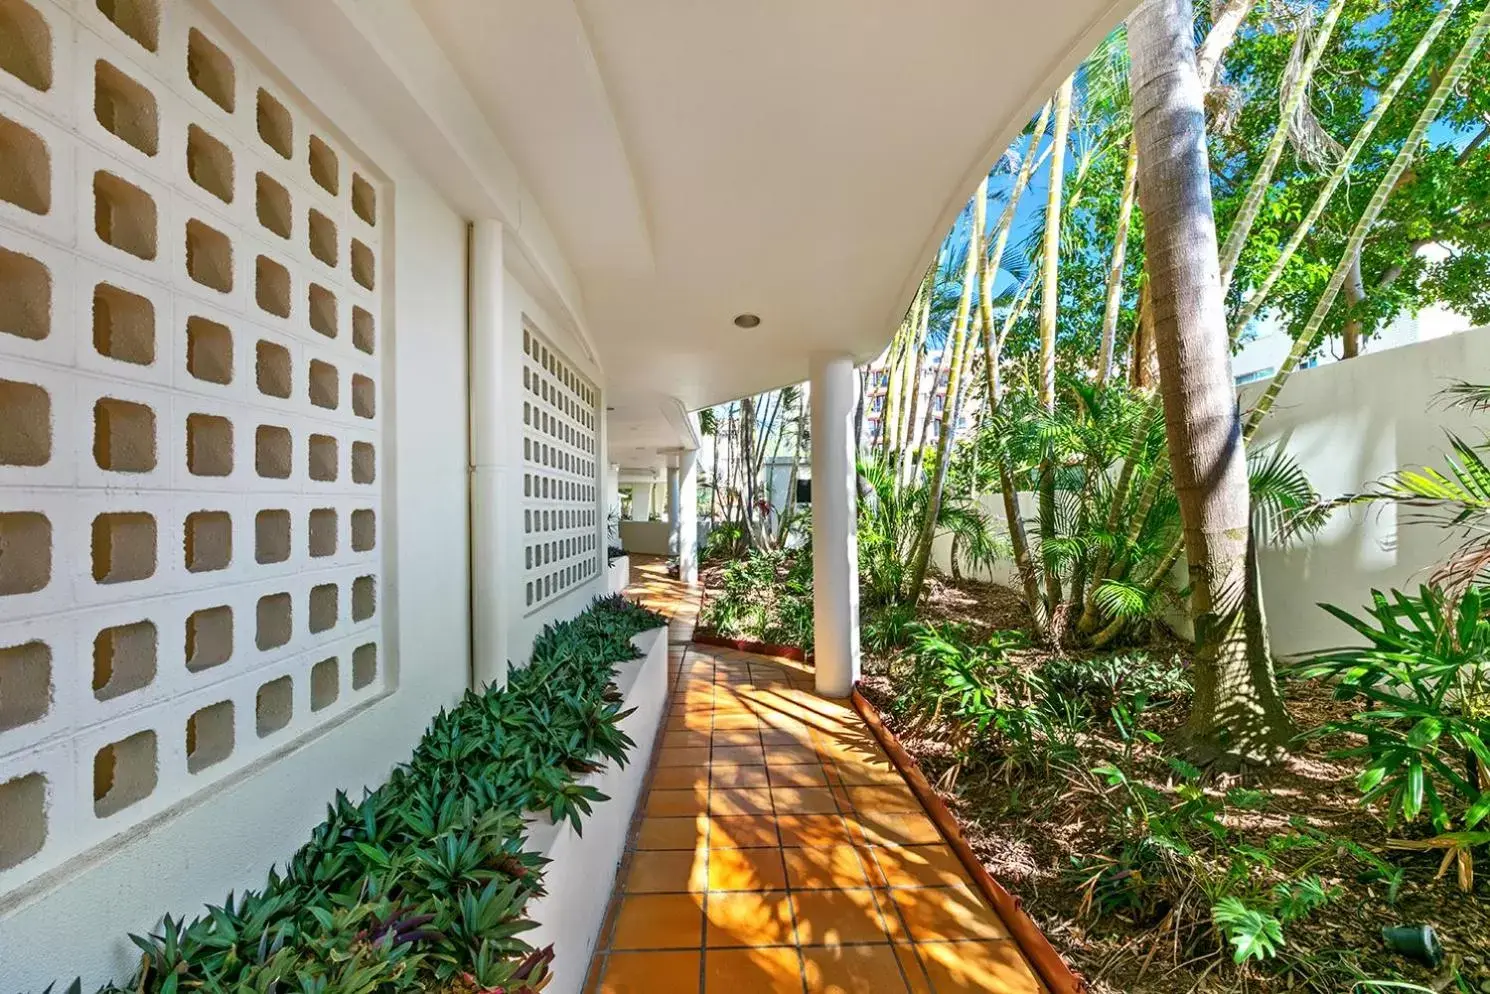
x,y
560,549
190,419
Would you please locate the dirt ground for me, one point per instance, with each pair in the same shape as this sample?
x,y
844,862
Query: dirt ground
x,y
1029,833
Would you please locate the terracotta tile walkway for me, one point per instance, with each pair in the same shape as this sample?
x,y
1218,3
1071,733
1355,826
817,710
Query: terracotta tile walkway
x,y
780,850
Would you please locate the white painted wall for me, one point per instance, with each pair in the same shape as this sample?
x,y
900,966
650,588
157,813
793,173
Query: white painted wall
x,y
74,920
1348,423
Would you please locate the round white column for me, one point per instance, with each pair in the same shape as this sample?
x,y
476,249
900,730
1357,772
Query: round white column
x,y
687,516
835,550
673,540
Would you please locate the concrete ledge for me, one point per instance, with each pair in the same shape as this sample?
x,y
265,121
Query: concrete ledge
x,y
582,874
618,574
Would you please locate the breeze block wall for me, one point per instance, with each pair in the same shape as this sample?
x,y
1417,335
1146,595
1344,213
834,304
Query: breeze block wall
x,y
192,270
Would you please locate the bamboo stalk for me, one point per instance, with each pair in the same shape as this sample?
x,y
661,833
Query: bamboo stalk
x,y
1115,271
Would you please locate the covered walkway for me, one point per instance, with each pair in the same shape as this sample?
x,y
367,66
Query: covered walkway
x,y
778,849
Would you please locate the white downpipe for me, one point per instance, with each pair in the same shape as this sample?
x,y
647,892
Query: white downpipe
x,y
489,604
835,551
688,516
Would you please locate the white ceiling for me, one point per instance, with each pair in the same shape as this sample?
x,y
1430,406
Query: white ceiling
x,y
798,159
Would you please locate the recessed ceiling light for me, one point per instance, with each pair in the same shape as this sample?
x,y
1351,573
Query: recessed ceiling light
x,y
747,320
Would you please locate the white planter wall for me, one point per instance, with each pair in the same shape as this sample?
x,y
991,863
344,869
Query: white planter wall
x,y
618,574
583,872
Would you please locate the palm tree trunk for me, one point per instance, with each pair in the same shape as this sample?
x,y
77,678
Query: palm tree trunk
x,y
1115,271
1049,311
1225,23
1355,296
909,444
1259,295
1237,710
1384,188
957,345
1246,216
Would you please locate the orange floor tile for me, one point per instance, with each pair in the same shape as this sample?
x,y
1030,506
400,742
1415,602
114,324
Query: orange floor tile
x,y
778,849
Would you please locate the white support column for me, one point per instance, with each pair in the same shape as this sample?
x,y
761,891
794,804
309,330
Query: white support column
x,y
835,549
673,535
489,601
688,516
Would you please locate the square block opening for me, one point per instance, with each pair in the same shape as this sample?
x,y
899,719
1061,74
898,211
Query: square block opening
x,y
25,424
25,684
363,332
323,532
364,463
325,684
209,256
209,736
25,168
209,638
210,70
364,665
125,108
209,445
209,541
25,552
323,166
364,199
124,216
323,458
209,350
124,773
274,706
322,237
272,452
364,396
324,385
364,529
139,19
364,268
23,812
272,536
124,659
276,127
209,163
123,436
25,296
272,202
272,369
123,325
123,547
276,621
322,310
324,607
25,50
272,286
364,598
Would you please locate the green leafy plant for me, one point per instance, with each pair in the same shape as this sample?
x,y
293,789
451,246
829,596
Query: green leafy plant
x,y
1427,717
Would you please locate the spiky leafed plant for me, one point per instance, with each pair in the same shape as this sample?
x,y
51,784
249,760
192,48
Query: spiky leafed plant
x,y
890,520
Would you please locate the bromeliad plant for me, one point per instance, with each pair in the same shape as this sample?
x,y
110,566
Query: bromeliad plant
x,y
421,885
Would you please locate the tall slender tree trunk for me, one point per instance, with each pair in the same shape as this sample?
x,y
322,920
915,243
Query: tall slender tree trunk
x,y
1237,711
957,346
1115,272
1225,23
1049,312
1355,296
910,442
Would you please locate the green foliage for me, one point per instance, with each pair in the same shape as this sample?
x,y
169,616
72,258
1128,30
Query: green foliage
x,y
887,628
421,885
765,595
1426,719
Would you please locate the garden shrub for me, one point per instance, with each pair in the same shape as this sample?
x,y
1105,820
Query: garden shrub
x,y
422,884
766,596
